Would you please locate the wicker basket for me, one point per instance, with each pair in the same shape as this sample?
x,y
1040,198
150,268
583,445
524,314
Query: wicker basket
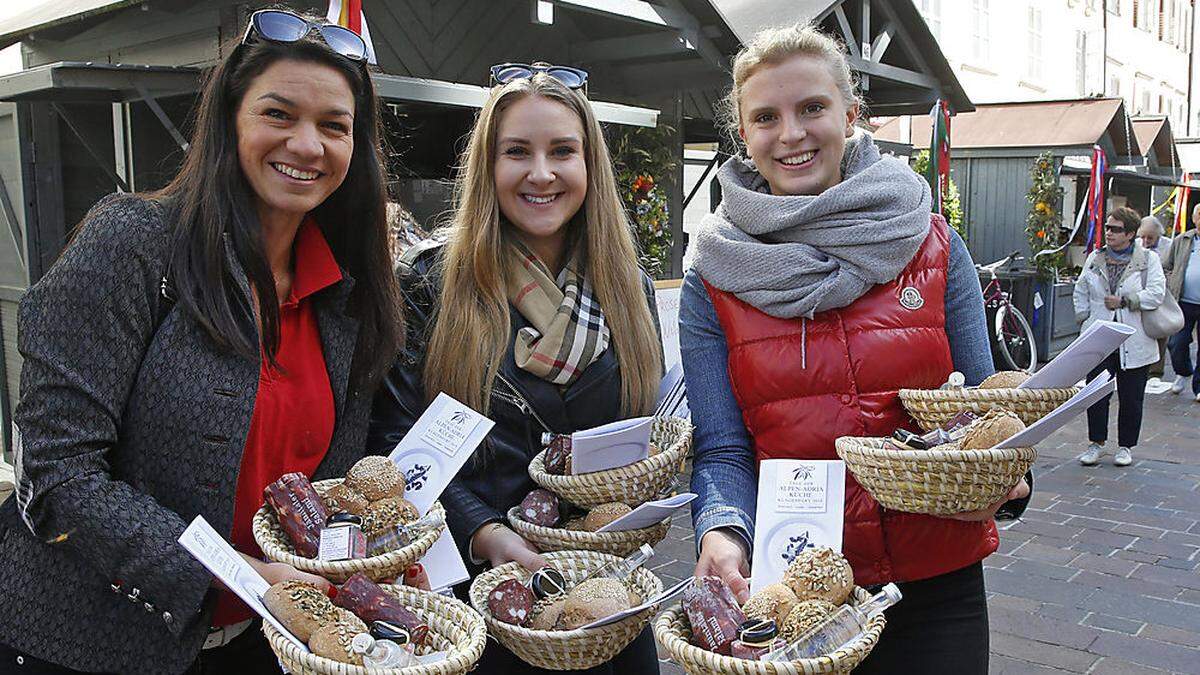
x,y
453,627
634,484
561,539
566,649
932,408
935,481
673,631
275,545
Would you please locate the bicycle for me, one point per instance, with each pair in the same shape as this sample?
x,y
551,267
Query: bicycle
x,y
1012,337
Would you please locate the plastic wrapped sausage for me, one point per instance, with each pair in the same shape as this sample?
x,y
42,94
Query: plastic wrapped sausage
x,y
301,511
714,614
371,603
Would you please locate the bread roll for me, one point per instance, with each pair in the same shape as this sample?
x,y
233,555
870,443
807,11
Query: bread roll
x,y
385,514
773,601
992,429
803,617
1005,379
546,612
301,607
820,573
333,639
594,599
342,497
604,514
376,477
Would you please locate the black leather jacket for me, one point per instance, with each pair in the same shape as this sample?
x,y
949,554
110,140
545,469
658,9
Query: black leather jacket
x,y
523,406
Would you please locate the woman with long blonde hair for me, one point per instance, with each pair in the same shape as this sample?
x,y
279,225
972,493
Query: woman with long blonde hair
x,y
529,307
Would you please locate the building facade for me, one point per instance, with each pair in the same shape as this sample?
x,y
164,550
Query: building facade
x,y
1033,50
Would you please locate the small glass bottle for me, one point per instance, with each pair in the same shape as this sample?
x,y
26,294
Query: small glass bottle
x,y
756,637
621,569
839,628
404,534
955,381
382,653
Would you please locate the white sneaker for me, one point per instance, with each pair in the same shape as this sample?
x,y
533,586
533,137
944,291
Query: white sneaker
x,y
1180,383
1197,398
1123,457
1091,455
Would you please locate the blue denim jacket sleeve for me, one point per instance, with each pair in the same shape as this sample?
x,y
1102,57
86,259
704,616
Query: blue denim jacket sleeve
x,y
966,323
724,475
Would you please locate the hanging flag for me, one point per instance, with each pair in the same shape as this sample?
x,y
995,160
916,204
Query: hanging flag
x,y
939,154
1095,200
349,14
1181,206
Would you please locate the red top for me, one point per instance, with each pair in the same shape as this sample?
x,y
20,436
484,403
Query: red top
x,y
844,369
292,423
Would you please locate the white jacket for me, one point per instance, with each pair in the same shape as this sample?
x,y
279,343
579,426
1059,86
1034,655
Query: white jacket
x,y
1092,286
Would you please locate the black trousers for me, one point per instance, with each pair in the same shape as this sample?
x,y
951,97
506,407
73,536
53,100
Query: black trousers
x,y
1131,391
941,626
246,653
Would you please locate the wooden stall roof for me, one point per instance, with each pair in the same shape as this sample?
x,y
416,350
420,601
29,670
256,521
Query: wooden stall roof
x,y
1028,124
1153,133
50,15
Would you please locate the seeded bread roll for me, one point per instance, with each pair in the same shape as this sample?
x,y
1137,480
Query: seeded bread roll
x,y
384,514
820,573
992,429
333,639
342,497
376,477
594,599
1005,379
803,617
604,514
546,612
773,601
302,608
574,524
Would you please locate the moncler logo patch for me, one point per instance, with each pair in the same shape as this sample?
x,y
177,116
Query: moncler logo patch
x,y
910,298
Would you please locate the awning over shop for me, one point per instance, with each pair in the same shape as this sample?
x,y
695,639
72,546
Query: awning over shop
x,y
1155,141
1074,168
73,81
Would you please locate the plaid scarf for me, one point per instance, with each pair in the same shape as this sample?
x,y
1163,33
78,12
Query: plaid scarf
x,y
567,332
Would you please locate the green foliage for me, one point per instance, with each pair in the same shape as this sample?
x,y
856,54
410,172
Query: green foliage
x,y
642,159
952,204
1043,224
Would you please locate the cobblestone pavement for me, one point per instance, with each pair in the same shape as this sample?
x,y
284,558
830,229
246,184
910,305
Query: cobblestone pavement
x,y
1102,574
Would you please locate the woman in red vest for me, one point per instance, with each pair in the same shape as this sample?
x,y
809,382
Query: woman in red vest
x,y
820,287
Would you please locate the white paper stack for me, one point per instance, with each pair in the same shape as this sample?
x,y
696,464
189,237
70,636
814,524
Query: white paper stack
x,y
1038,431
800,505
1080,357
611,445
650,513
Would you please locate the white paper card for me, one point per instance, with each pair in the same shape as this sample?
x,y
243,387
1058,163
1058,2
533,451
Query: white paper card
x,y
211,549
610,446
672,395
1080,357
444,564
650,513
665,596
436,447
1038,431
800,506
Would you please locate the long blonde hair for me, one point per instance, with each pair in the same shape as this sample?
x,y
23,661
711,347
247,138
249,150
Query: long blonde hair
x,y
471,332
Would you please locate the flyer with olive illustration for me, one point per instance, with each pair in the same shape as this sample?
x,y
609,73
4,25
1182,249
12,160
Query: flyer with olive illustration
x,y
800,506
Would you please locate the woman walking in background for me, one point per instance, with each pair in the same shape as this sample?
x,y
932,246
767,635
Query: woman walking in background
x,y
1118,283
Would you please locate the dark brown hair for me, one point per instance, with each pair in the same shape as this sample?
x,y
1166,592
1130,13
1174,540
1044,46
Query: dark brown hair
x,y
212,203
1127,217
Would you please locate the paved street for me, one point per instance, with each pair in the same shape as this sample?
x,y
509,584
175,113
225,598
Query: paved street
x,y
1101,575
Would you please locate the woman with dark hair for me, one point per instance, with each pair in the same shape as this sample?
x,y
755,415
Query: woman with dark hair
x,y
188,348
1118,283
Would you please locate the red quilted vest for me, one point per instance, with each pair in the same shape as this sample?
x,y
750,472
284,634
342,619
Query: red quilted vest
x,y
801,383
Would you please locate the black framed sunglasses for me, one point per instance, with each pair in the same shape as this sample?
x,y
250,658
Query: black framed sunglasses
x,y
277,25
1117,229
572,78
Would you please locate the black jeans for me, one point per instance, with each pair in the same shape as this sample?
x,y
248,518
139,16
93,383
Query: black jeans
x,y
941,626
1131,390
246,653
639,658
1180,344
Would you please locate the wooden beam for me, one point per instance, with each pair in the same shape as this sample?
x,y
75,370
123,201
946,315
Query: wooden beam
x,y
646,45
902,75
880,44
632,10
865,33
847,33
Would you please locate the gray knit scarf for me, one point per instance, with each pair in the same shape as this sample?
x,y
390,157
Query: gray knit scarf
x,y
793,256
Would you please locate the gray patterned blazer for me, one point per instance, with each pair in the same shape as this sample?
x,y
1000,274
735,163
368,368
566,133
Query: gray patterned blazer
x,y
128,431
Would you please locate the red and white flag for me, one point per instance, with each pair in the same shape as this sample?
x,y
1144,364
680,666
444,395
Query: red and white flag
x,y
349,14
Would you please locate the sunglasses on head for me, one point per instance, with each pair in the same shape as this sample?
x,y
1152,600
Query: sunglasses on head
x,y
572,78
277,25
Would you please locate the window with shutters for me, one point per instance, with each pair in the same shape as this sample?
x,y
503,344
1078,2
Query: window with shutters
x,y
981,30
1081,62
931,10
1034,45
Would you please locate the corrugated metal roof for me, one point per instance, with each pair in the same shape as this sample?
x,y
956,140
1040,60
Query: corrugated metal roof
x,y
50,14
1045,124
